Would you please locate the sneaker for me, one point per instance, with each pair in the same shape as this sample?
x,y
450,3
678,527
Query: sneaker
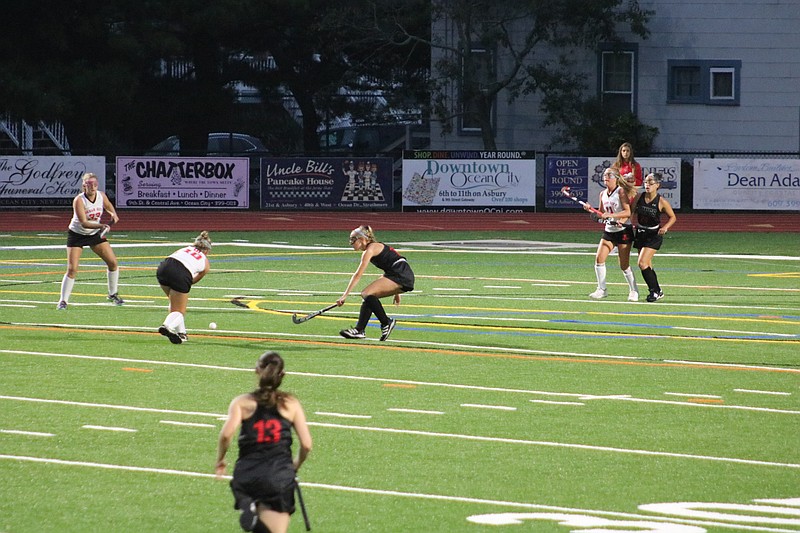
x,y
184,337
352,333
249,517
386,330
633,296
61,305
654,296
116,300
598,294
173,337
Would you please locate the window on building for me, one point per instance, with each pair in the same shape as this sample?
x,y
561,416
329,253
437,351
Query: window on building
x,y
483,62
706,82
617,75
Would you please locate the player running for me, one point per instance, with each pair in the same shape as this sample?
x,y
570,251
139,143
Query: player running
x,y
397,278
648,208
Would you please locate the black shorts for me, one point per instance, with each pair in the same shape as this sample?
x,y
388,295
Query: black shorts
x,y
619,237
78,240
648,238
173,274
401,274
258,481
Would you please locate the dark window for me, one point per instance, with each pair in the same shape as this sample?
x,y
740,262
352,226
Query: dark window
x,y
709,82
483,62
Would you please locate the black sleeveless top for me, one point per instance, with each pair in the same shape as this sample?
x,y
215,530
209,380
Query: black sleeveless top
x,y
266,435
386,258
647,213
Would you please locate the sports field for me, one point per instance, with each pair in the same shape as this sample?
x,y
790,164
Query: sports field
x,y
505,399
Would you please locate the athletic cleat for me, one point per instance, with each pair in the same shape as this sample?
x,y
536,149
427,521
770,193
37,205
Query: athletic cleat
x,y
184,337
115,299
173,337
654,296
599,294
352,333
249,517
633,296
387,329
62,305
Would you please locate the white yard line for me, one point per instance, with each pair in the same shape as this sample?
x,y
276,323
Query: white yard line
x,y
400,494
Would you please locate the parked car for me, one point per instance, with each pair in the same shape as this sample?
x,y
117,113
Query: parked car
x,y
225,145
218,144
370,139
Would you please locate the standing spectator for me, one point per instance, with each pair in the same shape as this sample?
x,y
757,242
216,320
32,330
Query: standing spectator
x,y
648,209
616,209
629,169
264,477
397,278
85,229
176,274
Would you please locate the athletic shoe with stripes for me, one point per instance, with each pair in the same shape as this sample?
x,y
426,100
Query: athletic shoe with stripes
x,y
249,517
173,337
352,333
386,329
654,296
115,299
633,296
184,337
62,305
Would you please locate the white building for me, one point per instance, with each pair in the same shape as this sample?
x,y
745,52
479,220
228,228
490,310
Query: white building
x,y
714,75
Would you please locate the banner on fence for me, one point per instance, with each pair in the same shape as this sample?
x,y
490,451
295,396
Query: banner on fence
x,y
183,182
46,181
326,183
469,181
747,184
584,177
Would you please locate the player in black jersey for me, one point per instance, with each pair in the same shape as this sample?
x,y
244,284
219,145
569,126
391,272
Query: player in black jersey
x,y
648,208
263,481
397,278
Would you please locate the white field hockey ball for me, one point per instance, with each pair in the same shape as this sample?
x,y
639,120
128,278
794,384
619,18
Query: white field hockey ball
x,y
212,325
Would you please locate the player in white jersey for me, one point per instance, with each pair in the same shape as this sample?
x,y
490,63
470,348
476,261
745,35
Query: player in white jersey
x,y
86,229
615,205
176,274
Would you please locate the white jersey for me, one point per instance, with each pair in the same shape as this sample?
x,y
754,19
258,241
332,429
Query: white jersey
x,y
94,211
193,259
612,204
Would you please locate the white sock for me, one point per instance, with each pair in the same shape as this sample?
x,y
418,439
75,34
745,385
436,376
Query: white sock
x,y
173,320
631,279
182,325
113,281
600,272
66,288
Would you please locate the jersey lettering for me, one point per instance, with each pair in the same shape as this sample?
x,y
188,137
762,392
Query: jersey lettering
x,y
269,431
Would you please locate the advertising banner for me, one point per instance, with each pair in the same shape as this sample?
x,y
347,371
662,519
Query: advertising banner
x,y
747,184
46,181
183,182
584,176
326,183
469,181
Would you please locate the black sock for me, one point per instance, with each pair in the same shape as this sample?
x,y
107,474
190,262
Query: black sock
x,y
363,316
377,307
651,279
260,528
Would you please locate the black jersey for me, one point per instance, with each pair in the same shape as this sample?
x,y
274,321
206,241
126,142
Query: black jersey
x,y
266,435
386,259
647,213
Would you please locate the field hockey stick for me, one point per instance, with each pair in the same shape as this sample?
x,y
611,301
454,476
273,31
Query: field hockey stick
x,y
107,228
302,504
300,319
566,192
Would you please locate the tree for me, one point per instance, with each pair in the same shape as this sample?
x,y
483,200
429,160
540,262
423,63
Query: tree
x,y
532,41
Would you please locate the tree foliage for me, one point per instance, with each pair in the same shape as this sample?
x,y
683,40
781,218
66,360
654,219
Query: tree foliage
x,y
126,73
534,42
